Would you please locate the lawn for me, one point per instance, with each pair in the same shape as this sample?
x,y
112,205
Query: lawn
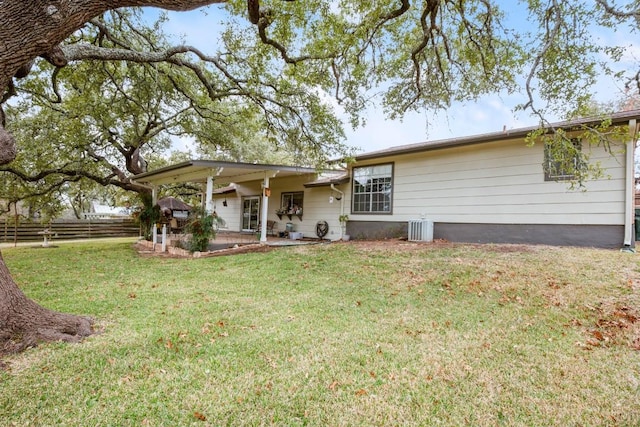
x,y
350,334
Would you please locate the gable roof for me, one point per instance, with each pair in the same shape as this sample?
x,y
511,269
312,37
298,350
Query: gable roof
x,y
616,119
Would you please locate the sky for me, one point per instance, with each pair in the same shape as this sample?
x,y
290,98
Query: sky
x,y
492,113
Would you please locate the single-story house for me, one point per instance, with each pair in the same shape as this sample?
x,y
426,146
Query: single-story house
x,y
248,196
490,188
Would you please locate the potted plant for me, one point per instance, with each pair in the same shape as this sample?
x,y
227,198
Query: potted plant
x,y
344,218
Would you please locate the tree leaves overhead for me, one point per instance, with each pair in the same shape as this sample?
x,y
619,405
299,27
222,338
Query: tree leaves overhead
x,y
269,81
412,56
106,120
424,55
564,58
418,55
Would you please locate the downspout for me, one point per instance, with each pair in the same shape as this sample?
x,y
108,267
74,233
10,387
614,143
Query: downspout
x,y
333,187
630,186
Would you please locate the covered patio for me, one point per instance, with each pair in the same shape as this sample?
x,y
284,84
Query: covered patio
x,y
212,174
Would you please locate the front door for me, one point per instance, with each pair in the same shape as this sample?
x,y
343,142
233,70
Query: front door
x,y
250,213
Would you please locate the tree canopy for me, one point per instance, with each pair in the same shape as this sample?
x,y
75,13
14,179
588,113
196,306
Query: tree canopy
x,y
106,120
420,56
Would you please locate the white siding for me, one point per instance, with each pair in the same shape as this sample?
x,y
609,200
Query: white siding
x,y
316,205
498,183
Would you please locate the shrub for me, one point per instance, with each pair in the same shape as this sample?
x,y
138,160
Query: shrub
x,y
200,227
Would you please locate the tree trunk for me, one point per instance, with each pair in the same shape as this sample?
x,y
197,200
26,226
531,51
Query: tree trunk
x,y
23,323
29,29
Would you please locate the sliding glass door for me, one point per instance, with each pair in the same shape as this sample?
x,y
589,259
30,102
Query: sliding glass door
x,y
250,213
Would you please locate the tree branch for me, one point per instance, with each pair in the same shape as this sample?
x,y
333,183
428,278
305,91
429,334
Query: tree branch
x,y
75,175
554,17
263,23
632,13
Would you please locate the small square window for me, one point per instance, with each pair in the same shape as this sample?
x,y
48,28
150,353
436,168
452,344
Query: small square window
x,y
562,161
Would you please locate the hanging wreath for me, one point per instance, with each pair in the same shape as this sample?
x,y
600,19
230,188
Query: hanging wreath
x,y
322,228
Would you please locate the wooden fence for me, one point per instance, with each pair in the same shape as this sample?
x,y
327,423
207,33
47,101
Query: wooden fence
x,y
68,230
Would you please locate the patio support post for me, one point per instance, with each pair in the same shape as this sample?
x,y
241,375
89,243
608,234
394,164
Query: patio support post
x,y
265,210
154,201
208,207
164,237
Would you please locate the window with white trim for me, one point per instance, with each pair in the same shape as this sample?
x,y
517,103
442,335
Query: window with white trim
x,y
372,189
562,161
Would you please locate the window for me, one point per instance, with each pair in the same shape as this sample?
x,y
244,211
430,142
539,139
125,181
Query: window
x,y
292,203
372,189
562,161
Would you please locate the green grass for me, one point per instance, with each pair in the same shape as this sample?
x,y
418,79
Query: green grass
x,y
333,335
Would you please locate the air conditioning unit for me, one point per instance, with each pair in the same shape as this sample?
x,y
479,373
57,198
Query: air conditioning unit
x,y
420,230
